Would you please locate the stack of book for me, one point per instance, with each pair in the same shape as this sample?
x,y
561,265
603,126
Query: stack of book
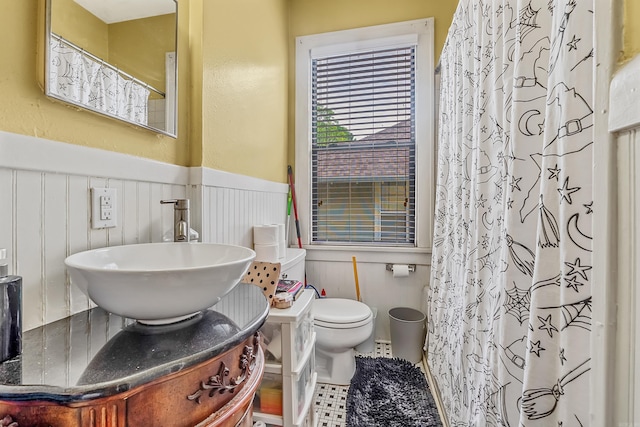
x,y
292,287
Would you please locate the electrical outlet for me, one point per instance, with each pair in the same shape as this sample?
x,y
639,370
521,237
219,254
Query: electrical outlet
x,y
105,201
103,207
105,214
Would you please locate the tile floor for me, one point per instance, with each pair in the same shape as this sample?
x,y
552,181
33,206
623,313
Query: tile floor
x,y
331,400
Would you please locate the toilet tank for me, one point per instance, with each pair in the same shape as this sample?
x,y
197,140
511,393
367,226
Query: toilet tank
x,y
292,267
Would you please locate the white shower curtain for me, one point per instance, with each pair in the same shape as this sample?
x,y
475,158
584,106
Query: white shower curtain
x,y
510,300
76,77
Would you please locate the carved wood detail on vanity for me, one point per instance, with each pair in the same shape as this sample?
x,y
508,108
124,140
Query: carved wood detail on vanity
x,y
239,411
216,383
7,421
108,414
161,402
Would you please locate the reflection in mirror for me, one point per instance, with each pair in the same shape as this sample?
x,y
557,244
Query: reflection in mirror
x,y
114,57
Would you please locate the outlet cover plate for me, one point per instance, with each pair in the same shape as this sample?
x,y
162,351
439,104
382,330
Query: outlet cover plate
x,y
103,208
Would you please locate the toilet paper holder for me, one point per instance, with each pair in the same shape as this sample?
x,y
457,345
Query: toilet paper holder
x,y
412,267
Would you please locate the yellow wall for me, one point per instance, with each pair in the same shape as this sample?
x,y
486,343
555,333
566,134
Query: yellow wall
x,y
631,29
244,87
138,47
319,16
194,35
236,87
24,109
235,72
79,26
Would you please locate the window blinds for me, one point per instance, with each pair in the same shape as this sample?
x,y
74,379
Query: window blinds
x,y
363,148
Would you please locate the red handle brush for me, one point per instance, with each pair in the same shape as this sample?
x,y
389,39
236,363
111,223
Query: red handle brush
x,y
295,205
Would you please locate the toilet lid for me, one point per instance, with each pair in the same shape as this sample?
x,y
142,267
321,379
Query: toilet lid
x,y
340,311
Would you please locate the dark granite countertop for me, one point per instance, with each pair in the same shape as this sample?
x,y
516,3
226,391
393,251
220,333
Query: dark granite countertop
x,y
95,354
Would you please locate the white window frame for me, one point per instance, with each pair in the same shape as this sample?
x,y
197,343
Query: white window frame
x,y
308,47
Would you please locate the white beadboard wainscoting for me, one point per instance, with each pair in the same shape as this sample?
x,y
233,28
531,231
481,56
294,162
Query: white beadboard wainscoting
x,y
45,216
45,211
232,204
625,119
332,269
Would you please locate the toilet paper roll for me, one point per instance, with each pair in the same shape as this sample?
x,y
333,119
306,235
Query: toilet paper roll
x,y
281,234
266,253
265,234
282,241
400,270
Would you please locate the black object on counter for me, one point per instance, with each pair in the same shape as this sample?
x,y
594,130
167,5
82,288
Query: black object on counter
x,y
10,312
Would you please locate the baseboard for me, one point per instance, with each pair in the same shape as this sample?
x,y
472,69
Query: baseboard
x,y
435,391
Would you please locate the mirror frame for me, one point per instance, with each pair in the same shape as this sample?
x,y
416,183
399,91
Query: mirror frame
x,y
47,83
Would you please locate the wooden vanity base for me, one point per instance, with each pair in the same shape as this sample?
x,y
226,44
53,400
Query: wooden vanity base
x,y
215,393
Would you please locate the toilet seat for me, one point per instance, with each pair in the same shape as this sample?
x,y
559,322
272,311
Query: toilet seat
x,y
339,313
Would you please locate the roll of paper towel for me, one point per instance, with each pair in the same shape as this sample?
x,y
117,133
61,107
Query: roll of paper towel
x,y
266,253
400,270
265,234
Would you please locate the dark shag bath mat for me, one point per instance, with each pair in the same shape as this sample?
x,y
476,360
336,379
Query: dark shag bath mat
x,y
390,393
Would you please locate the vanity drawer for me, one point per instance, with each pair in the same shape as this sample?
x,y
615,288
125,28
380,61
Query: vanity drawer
x,y
288,335
269,397
309,419
288,396
302,339
301,388
286,393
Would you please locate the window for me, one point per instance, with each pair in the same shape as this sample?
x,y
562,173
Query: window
x,y
364,135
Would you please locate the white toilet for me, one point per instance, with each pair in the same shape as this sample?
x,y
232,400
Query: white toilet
x,y
340,325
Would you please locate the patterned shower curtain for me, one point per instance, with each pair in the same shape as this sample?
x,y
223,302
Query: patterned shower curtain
x,y
510,300
78,78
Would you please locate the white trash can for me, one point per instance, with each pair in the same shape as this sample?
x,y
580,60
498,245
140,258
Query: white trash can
x,y
407,333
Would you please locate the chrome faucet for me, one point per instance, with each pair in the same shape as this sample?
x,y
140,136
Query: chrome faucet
x,y
181,219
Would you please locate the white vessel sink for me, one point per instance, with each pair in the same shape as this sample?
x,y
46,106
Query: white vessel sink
x,y
158,283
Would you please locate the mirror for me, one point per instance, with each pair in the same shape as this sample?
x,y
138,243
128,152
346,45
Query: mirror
x,y
115,57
